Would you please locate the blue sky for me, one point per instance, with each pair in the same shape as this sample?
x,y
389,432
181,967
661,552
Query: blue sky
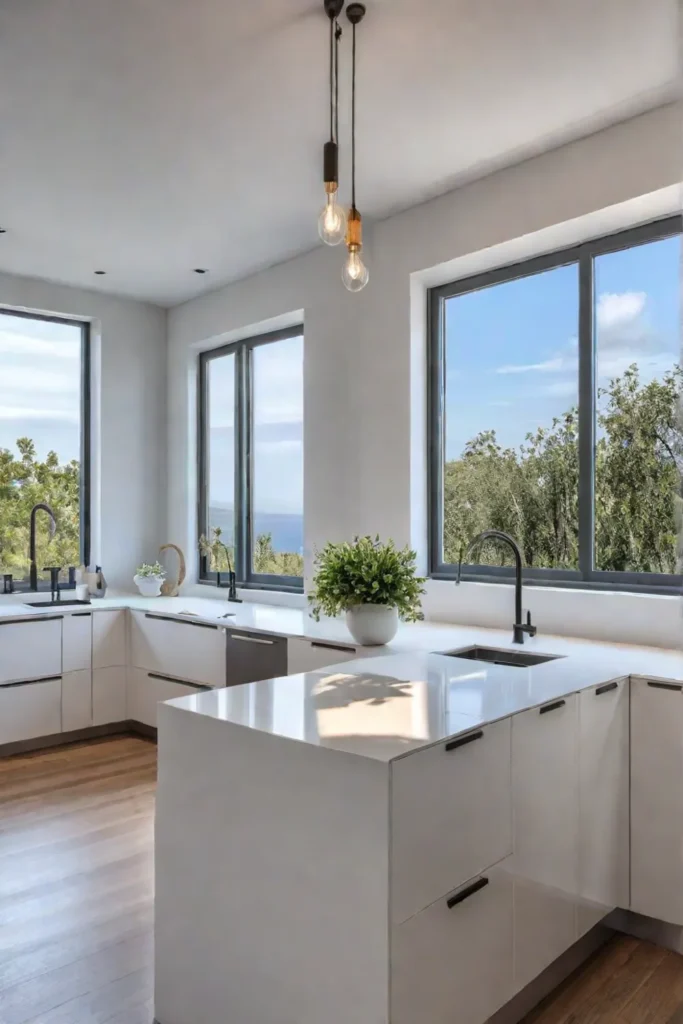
x,y
511,349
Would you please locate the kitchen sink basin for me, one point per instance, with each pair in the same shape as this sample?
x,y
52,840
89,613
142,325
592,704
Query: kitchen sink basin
x,y
52,604
495,656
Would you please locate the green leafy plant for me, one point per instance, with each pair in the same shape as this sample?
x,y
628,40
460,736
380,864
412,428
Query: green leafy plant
x,y
215,550
366,572
156,569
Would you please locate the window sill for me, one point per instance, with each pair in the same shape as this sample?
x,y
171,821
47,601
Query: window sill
x,y
555,584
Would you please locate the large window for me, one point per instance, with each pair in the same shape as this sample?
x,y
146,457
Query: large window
x,y
44,442
554,393
251,458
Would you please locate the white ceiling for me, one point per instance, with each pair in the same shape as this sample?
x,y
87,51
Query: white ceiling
x,y
148,137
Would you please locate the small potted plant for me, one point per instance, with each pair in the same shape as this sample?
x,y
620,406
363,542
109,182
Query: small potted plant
x,y
149,578
374,583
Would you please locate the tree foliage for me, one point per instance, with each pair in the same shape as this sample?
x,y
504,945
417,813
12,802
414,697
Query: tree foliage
x,y
532,492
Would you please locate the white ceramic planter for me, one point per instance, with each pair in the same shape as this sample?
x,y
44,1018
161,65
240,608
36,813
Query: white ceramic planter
x,y
372,624
149,586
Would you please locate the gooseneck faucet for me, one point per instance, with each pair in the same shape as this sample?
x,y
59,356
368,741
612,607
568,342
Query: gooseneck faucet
x,y
33,568
519,628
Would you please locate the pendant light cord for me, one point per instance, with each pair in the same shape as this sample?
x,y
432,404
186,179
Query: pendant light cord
x,y
337,36
332,137
353,120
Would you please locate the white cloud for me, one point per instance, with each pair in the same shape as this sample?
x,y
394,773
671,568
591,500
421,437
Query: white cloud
x,y
44,413
562,389
617,308
556,365
13,343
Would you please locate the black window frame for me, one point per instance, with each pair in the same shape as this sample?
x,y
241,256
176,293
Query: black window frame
x,y
585,577
22,586
243,350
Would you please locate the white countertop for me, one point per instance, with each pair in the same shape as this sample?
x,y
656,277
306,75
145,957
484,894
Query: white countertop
x,y
404,697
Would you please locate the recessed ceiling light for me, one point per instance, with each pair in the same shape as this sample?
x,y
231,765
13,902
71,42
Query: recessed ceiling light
x,y
100,273
200,270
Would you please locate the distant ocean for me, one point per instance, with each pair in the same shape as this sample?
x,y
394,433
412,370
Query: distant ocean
x,y
287,530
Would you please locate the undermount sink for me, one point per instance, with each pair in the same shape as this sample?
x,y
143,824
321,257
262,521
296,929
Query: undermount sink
x,y
52,604
495,656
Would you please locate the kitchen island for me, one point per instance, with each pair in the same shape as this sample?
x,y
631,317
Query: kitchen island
x,y
411,837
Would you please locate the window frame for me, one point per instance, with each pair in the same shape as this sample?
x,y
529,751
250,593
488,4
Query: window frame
x,y
583,255
85,504
243,351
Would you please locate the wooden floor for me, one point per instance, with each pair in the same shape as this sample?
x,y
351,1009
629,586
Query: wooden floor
x,y
76,884
76,904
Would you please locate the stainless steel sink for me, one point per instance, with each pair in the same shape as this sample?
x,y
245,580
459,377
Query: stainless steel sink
x,y
496,656
52,604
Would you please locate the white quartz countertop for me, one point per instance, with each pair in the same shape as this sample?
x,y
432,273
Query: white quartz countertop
x,y
405,696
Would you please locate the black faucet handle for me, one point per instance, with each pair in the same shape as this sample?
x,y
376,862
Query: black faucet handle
x,y
8,584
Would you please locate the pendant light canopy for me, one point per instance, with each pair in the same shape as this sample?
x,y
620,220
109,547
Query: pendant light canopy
x,y
354,272
332,220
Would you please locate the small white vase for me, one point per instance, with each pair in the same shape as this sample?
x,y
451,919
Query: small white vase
x,y
372,624
149,586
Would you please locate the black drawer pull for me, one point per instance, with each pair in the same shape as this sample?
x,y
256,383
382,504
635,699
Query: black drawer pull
x,y
463,740
181,682
551,707
453,901
80,615
31,682
332,647
186,622
665,686
606,688
30,618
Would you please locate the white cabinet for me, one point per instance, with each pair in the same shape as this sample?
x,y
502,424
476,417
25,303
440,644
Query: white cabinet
x,y
30,649
192,651
603,801
76,700
29,710
434,792
657,799
545,862
309,655
109,638
147,689
77,641
453,961
109,695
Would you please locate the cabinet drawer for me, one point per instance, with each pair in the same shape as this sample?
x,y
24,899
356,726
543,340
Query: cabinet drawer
x,y
30,649
28,710
186,650
454,963
450,816
309,655
76,700
109,638
77,642
108,695
146,690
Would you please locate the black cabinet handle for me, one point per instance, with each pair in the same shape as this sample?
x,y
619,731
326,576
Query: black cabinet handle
x,y
463,740
80,615
30,682
551,707
606,688
453,901
332,647
664,686
185,622
181,682
29,618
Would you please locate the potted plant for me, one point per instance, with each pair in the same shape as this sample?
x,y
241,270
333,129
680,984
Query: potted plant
x,y
148,579
374,583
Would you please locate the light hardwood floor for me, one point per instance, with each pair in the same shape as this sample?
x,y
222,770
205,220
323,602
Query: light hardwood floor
x,y
76,891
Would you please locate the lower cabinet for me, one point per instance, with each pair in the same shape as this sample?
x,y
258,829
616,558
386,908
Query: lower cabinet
x,y
309,655
454,960
145,690
31,709
109,695
657,799
545,862
76,700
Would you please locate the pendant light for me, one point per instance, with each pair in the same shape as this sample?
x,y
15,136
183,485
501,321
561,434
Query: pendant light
x,y
332,220
354,272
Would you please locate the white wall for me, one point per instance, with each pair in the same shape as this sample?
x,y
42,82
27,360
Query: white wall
x,y
364,387
129,417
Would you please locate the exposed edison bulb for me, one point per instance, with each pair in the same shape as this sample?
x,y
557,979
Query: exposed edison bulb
x,y
355,274
332,221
